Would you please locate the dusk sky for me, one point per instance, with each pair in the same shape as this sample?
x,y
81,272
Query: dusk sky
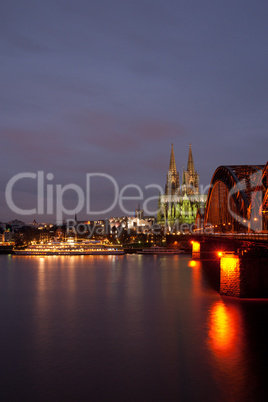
x,y
106,86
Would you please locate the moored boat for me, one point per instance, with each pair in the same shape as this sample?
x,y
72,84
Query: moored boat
x,y
85,247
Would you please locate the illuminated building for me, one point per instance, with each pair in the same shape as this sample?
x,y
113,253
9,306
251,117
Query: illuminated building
x,y
7,236
139,213
180,204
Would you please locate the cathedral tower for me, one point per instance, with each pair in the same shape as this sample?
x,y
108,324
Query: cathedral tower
x,y
173,184
180,205
190,176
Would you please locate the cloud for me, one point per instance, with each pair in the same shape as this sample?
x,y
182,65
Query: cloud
x,y
159,130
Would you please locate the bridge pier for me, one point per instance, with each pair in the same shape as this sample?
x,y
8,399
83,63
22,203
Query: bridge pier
x,y
244,276
231,276
242,271
196,248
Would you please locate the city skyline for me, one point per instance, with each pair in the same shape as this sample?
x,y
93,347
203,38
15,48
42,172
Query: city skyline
x,y
126,202
101,87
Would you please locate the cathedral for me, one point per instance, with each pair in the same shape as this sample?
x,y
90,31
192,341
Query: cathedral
x,y
180,203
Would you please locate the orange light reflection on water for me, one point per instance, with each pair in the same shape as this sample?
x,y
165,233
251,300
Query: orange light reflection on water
x,y
223,329
192,263
196,279
228,345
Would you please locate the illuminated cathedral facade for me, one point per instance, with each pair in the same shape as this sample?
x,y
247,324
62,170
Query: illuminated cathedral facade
x,y
180,203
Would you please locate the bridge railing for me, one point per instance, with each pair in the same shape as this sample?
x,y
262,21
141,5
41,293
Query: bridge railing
x,y
241,236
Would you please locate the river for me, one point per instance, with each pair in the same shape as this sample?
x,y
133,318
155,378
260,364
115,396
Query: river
x,y
128,328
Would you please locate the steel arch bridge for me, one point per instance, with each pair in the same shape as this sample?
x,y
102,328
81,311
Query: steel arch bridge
x,y
238,199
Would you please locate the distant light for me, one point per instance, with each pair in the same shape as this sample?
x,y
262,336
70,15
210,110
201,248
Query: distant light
x,y
220,254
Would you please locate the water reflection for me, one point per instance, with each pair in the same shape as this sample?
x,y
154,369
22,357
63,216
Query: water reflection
x,y
136,327
196,277
229,349
193,264
224,327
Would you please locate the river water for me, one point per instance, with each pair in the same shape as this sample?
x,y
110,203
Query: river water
x,y
126,328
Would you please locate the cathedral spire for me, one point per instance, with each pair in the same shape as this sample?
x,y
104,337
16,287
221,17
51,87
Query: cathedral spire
x,y
191,176
172,163
172,184
190,165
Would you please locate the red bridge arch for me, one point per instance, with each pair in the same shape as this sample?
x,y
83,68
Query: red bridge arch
x,y
238,196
